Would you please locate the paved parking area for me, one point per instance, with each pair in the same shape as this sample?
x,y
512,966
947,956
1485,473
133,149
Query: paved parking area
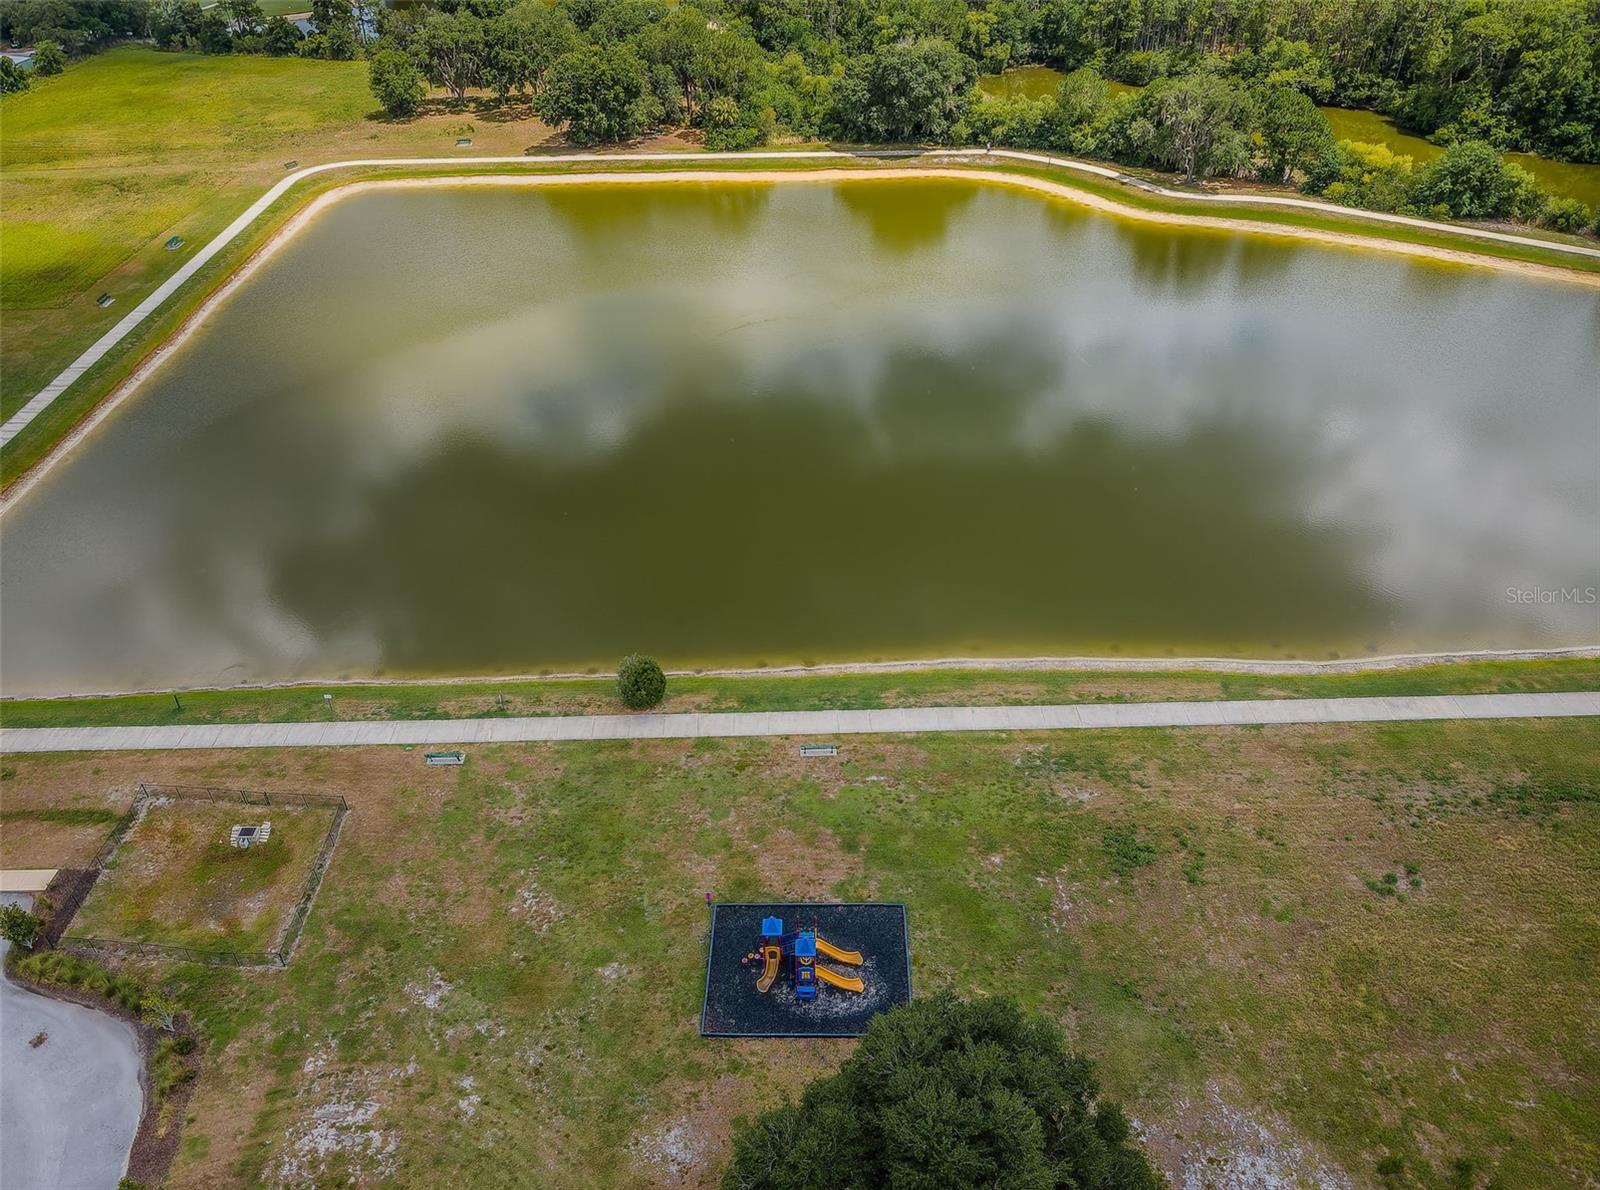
x,y
70,1106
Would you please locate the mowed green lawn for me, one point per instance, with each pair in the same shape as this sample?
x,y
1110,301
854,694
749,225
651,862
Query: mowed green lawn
x,y
1293,951
100,166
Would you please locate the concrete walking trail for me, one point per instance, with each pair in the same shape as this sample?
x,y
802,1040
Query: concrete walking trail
x,y
814,724
158,297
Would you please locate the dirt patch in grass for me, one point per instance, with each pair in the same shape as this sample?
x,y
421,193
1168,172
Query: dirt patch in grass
x,y
53,838
176,879
690,1145
1206,1143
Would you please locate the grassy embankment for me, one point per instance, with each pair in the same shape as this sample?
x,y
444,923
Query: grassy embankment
x,y
801,692
100,166
1375,941
103,164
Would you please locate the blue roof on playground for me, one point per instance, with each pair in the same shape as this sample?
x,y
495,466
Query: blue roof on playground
x,y
805,944
771,927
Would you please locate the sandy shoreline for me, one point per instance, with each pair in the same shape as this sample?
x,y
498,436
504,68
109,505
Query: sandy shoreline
x,y
19,489
999,666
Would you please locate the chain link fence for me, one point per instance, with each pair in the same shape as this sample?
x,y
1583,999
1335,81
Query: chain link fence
x,y
78,890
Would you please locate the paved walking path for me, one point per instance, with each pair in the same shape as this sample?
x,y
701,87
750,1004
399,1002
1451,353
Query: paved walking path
x,y
18,421
814,724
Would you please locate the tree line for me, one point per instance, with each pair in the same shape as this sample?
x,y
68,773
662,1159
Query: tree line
x,y
1226,88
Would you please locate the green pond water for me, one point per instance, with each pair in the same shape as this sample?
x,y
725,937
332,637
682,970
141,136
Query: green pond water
x,y
1568,179
495,429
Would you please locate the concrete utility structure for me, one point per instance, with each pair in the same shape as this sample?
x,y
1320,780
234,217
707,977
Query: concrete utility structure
x,y
249,836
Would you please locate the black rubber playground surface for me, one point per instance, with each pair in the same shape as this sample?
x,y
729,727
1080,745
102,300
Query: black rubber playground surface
x,y
733,1007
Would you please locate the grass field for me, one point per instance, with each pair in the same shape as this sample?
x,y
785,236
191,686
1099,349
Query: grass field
x,y
870,691
175,879
100,166
1366,949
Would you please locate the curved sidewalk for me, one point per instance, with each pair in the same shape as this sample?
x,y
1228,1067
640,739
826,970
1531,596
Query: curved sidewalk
x,y
46,396
910,720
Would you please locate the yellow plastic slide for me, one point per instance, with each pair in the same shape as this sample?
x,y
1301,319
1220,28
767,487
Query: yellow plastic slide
x,y
772,958
848,983
828,950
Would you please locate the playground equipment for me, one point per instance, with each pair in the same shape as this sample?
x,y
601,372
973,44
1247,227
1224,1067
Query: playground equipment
x,y
801,948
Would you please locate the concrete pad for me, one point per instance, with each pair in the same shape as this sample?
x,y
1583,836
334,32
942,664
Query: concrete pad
x,y
26,880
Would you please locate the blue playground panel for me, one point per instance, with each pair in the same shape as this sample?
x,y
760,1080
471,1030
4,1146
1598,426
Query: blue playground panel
x,y
797,1005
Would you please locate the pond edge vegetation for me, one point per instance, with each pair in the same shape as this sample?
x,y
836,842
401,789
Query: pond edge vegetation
x,y
117,374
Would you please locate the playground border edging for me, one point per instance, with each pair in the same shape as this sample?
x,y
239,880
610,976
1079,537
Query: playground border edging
x,y
705,995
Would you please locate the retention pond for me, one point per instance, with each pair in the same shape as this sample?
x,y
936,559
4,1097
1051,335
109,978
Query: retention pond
x,y
477,430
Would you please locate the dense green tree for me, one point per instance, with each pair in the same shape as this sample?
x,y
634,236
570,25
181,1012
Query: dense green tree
x,y
1566,214
1200,123
12,77
1471,180
337,31
1286,64
1293,131
919,91
244,16
1362,175
1520,74
450,48
396,82
943,1092
1060,32
49,58
175,24
599,92
17,925
213,35
279,37
76,25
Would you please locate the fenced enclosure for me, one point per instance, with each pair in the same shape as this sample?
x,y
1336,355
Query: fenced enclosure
x,y
152,795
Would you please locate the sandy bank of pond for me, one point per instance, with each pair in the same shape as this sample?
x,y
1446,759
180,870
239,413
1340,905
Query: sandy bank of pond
x,y
1375,242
